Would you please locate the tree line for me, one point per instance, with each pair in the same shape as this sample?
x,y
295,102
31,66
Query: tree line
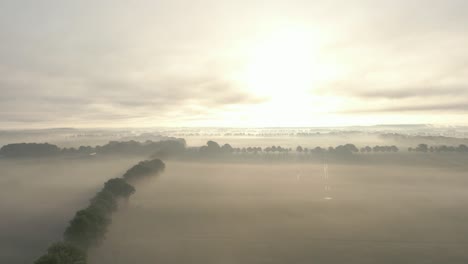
x,y
89,226
441,148
178,149
168,147
213,147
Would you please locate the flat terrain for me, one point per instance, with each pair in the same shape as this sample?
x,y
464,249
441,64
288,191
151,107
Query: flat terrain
x,y
39,196
235,213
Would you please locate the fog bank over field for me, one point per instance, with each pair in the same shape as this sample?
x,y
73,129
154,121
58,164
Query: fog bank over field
x,y
289,132
235,213
401,135
275,198
39,196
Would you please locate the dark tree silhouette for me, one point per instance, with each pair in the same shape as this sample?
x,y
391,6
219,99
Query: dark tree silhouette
x,y
63,253
226,148
144,169
462,148
119,187
29,150
422,148
87,228
318,150
211,148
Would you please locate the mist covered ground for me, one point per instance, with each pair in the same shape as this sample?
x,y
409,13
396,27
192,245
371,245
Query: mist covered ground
x,y
39,196
400,135
212,206
283,213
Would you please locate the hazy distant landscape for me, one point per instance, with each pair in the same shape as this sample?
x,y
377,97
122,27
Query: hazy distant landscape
x,y
233,132
212,213
248,203
313,136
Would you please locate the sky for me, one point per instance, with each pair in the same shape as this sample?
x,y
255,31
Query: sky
x,y
232,63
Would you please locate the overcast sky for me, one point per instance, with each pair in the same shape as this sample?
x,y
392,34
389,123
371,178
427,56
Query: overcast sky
x,y
232,63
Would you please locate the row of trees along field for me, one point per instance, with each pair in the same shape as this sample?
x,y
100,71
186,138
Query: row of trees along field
x,y
113,147
89,226
442,148
214,147
178,148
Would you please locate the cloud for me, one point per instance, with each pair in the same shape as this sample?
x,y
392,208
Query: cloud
x,y
458,107
411,92
60,67
405,83
104,100
97,62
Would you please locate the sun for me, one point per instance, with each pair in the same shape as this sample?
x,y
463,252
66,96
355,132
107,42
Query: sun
x,y
287,68
282,65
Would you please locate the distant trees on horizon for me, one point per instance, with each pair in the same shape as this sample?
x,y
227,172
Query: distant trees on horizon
x,y
214,148
178,148
159,148
376,149
29,150
443,148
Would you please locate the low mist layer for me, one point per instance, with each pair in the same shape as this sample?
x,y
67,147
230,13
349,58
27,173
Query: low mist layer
x,y
233,213
89,225
39,196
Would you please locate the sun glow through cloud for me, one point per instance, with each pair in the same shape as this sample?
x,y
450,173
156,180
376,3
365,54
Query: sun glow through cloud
x,y
307,63
282,65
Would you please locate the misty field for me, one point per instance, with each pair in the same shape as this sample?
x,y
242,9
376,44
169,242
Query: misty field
x,y
39,196
285,213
